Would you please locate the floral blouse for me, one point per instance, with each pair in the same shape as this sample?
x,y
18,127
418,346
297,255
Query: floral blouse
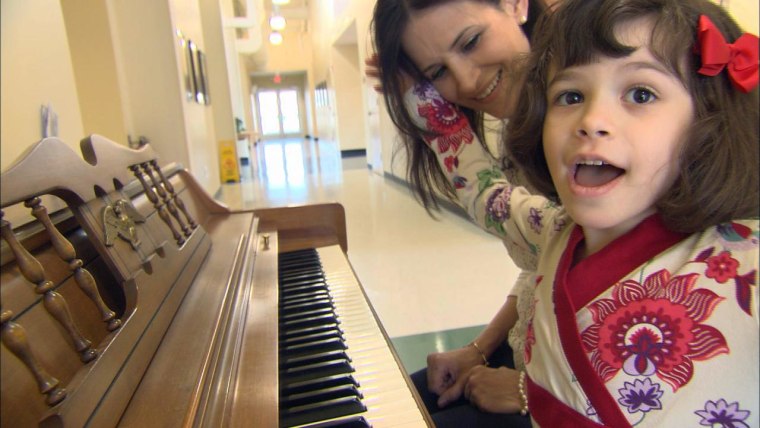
x,y
657,329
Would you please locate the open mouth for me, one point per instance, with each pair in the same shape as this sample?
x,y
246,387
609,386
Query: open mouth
x,y
489,90
595,173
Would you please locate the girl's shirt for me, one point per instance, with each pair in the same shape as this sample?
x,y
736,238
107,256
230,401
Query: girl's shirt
x,y
656,329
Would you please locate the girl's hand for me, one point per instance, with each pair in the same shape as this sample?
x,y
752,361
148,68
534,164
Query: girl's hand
x,y
447,372
493,390
372,71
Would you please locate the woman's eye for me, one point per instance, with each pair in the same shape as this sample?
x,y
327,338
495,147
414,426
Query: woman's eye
x,y
471,43
437,73
569,97
640,95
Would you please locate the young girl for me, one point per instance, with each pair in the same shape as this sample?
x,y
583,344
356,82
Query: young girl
x,y
639,124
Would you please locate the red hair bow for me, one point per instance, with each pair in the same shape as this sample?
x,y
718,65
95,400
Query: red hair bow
x,y
740,57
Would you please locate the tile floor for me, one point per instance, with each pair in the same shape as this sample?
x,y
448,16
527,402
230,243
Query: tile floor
x,y
433,283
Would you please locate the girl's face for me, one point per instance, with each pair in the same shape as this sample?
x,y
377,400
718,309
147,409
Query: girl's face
x,y
612,134
467,48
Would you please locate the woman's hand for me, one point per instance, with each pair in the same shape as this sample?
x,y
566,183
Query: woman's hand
x,y
372,71
447,372
493,390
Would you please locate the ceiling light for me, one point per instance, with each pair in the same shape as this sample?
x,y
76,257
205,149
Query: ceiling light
x,y
277,22
275,38
280,1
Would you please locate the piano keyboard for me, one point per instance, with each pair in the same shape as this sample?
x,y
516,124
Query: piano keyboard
x,y
336,367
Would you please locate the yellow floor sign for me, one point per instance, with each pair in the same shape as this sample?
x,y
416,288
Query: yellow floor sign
x,y
228,163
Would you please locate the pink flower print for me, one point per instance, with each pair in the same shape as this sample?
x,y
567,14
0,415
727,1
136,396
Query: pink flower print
x,y
530,334
721,267
451,163
450,129
530,340
654,328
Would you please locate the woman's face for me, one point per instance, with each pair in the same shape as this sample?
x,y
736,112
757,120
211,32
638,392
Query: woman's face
x,y
467,50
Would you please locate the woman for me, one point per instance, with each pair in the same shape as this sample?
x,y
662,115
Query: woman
x,y
467,49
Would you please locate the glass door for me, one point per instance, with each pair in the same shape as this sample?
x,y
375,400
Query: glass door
x,y
279,112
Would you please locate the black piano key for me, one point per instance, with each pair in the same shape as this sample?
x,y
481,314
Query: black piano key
x,y
301,274
307,313
304,297
319,395
332,344
298,254
299,332
310,321
320,335
302,288
293,386
320,411
315,370
346,422
323,368
296,360
306,305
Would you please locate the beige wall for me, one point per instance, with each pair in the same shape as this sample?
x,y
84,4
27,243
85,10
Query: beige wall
x,y
94,62
746,13
135,85
348,96
115,68
35,70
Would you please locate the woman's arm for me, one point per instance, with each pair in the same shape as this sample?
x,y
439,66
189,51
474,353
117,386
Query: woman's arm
x,y
501,208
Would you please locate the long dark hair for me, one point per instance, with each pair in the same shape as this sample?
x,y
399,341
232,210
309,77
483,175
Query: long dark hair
x,y
389,21
718,173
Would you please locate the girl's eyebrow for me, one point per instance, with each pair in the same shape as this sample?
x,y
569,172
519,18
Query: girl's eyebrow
x,y
570,73
452,47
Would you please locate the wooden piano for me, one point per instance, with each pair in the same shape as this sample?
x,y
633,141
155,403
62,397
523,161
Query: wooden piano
x,y
132,298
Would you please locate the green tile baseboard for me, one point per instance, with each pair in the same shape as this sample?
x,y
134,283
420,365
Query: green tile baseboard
x,y
414,349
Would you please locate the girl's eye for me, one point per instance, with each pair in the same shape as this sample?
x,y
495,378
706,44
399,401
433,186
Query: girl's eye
x,y
640,95
569,97
471,43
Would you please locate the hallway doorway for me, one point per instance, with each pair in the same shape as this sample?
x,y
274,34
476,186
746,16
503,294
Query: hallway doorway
x,y
278,105
279,113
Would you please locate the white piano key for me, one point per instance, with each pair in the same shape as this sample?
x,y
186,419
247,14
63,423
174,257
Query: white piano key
x,y
387,395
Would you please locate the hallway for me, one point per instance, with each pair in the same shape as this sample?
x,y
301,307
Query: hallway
x,y
431,282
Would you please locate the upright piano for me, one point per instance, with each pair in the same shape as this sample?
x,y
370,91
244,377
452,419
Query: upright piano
x,y
130,297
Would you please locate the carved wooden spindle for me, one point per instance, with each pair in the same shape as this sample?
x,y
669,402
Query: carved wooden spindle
x,y
162,213
15,339
167,198
175,196
66,251
55,304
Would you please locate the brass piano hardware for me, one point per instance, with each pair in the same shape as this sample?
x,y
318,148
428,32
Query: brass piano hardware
x,y
119,220
166,198
162,213
15,339
266,241
53,302
67,253
177,200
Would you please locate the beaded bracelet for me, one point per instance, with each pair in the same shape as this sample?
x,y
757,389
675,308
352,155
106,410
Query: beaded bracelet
x,y
523,395
482,355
